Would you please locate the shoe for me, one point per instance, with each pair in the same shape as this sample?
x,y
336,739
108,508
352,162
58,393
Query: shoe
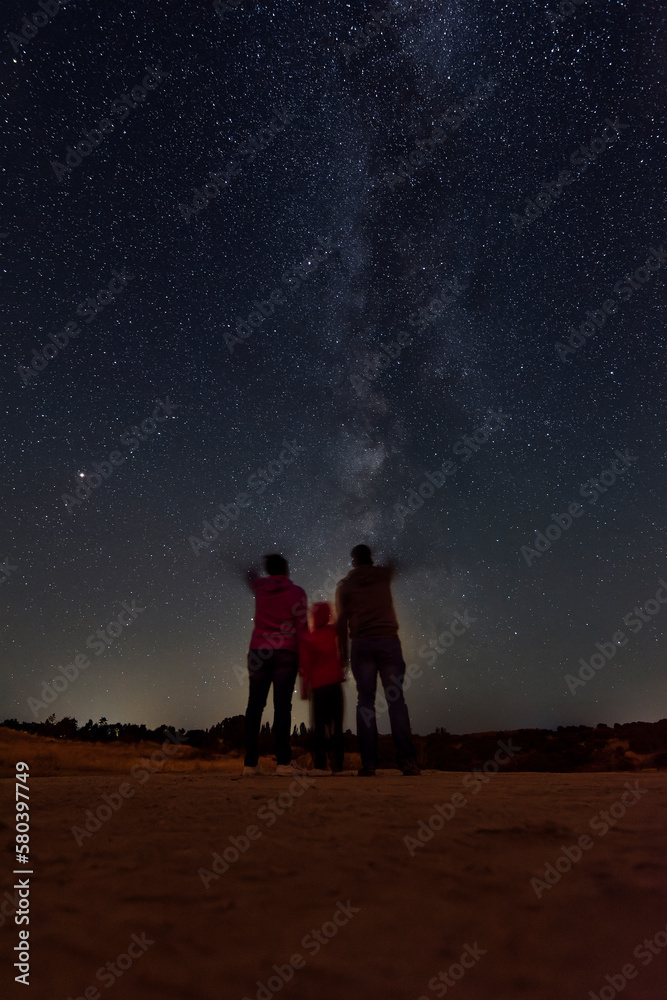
x,y
289,770
366,772
252,772
410,767
317,772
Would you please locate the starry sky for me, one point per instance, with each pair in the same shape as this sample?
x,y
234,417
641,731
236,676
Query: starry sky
x,y
409,310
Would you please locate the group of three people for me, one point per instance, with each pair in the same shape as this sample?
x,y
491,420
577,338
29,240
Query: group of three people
x,y
282,647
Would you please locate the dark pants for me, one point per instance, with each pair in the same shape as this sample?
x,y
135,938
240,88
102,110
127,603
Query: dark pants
x,y
328,713
368,658
280,667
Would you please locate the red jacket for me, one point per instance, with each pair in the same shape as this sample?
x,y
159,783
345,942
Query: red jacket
x,y
280,613
319,658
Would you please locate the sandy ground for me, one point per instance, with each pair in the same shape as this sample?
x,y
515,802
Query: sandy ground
x,y
336,848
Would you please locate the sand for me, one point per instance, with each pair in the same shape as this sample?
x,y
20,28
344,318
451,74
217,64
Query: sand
x,y
337,850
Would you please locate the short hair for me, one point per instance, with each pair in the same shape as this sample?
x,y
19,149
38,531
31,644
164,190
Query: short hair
x,y
362,555
276,565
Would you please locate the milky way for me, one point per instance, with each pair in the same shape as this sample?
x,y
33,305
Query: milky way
x,y
280,265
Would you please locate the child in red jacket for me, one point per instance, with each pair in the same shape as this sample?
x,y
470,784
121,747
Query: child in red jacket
x,y
322,672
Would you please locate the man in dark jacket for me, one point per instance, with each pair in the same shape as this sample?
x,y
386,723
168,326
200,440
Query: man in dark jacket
x,y
365,608
281,619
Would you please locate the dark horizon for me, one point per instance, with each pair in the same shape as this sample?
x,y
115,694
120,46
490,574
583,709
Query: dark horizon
x,y
103,722
635,747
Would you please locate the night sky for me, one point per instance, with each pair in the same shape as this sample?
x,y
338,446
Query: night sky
x,y
299,136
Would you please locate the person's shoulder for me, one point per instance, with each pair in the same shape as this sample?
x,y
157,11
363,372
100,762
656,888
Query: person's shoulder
x,y
299,591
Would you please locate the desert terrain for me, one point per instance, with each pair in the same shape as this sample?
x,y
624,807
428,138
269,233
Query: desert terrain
x,y
520,885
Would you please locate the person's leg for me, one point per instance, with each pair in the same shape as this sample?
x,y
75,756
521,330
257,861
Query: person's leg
x,y
259,683
320,713
330,695
391,666
338,744
285,670
364,670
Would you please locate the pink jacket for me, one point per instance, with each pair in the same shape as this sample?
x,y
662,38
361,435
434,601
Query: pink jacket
x,y
281,613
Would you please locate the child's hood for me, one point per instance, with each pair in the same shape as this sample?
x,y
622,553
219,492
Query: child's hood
x,y
321,614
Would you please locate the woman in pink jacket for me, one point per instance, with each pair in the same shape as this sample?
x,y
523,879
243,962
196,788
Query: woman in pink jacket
x,y
273,658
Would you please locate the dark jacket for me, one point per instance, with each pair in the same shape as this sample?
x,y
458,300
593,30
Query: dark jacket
x,y
364,605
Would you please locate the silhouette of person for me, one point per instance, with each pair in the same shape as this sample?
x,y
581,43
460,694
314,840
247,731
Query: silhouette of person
x,y
322,672
281,610
365,608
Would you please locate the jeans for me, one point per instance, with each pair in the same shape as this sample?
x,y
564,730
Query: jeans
x,y
328,714
280,667
369,657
